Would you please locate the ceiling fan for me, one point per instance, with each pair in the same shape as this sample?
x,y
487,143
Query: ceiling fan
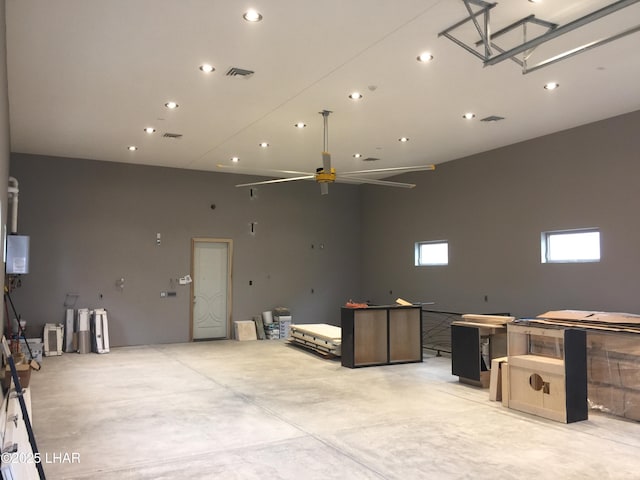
x,y
327,174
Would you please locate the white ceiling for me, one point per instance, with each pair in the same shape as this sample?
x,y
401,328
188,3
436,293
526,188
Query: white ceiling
x,y
86,76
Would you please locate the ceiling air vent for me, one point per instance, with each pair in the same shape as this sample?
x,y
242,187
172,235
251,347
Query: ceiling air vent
x,y
239,72
492,118
370,159
172,135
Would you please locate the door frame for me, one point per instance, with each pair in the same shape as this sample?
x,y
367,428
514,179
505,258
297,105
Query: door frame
x,y
229,243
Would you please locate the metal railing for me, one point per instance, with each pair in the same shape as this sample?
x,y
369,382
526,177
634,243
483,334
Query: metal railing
x,y
436,330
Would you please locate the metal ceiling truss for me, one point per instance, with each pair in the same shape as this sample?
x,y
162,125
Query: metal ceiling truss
x,y
494,54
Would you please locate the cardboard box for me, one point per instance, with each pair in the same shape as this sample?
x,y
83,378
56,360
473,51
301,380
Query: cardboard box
x,y
606,398
629,372
601,370
24,375
613,361
632,405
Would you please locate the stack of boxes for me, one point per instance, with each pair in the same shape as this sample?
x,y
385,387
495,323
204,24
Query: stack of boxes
x,y
35,345
271,331
282,316
276,323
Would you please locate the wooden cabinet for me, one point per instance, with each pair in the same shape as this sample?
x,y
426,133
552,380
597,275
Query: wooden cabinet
x,y
475,342
381,335
547,372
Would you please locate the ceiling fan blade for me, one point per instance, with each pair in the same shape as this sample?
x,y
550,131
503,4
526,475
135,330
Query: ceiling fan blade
x,y
277,180
392,169
324,188
260,171
326,161
372,181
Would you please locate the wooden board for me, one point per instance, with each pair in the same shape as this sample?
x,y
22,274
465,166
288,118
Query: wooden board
x,y
607,321
259,327
495,381
485,328
588,316
505,384
404,329
536,362
586,325
370,337
487,319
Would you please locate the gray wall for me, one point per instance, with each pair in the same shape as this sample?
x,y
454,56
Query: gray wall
x,y
93,222
5,143
492,208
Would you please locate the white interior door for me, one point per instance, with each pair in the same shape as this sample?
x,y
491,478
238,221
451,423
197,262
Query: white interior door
x,y
211,289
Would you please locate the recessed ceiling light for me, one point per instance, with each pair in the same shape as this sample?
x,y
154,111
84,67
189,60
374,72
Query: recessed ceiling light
x,y
535,1
551,86
206,68
469,116
355,96
149,129
235,159
403,139
300,125
357,155
252,16
424,57
132,148
264,144
171,105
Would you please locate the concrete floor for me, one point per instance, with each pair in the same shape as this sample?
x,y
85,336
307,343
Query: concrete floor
x,y
266,410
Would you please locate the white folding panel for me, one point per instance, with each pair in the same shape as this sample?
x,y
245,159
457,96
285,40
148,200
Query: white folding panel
x,y
52,339
68,330
100,331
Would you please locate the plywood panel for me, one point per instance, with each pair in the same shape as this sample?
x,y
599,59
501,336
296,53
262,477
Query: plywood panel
x,y
405,335
495,379
370,336
548,399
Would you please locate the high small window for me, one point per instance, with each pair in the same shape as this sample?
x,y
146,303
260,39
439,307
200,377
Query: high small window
x,y
568,246
432,253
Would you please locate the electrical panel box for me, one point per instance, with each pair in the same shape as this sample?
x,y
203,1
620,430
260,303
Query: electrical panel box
x,y
17,254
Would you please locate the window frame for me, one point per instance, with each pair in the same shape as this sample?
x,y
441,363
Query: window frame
x,y
545,245
418,256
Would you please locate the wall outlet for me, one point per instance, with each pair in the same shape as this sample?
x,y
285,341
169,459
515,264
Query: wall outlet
x,y
163,294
